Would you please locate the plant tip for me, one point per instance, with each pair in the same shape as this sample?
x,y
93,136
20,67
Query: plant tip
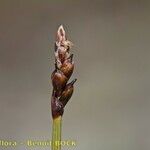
x,y
61,35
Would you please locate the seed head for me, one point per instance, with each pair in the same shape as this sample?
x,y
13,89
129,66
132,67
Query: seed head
x,y
64,67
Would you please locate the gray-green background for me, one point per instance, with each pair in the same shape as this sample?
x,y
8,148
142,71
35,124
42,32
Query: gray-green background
x,y
110,108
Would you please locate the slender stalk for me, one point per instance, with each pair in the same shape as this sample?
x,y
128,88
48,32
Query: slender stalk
x,y
56,133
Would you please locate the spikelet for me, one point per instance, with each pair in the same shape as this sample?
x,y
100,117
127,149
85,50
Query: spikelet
x,y
64,67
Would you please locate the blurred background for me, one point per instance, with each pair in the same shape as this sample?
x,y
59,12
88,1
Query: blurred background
x,y
110,108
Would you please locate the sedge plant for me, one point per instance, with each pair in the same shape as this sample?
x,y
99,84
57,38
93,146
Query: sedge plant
x,y
62,90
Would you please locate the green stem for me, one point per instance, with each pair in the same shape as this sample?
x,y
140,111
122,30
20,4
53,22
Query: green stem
x,y
56,133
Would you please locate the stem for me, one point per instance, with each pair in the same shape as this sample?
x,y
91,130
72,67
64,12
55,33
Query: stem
x,y
56,133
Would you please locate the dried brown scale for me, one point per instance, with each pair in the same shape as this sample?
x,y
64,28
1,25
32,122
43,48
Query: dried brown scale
x,y
64,67
67,93
67,67
59,80
57,107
